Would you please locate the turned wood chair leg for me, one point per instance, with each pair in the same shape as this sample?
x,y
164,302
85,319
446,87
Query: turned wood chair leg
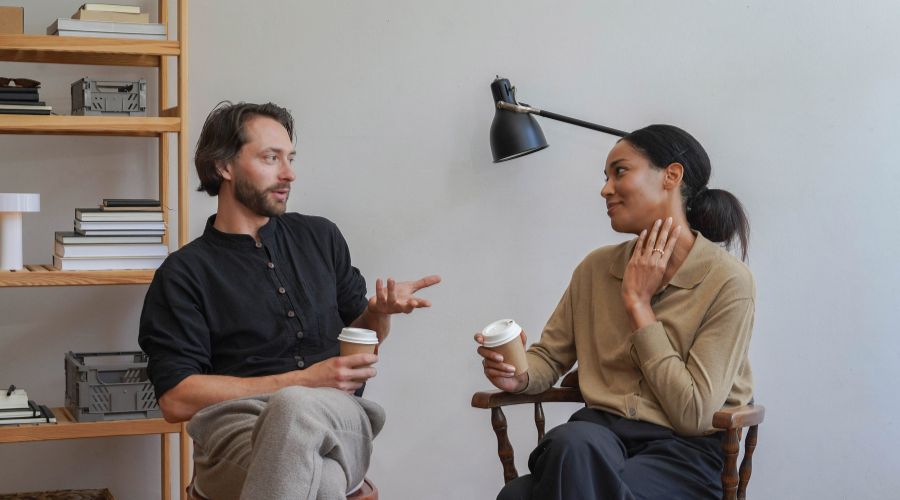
x,y
747,462
730,446
539,420
504,447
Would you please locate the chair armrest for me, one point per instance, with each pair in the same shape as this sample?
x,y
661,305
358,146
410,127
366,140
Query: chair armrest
x,y
496,399
738,417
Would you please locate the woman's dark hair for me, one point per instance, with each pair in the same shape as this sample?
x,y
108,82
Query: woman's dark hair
x,y
223,136
715,213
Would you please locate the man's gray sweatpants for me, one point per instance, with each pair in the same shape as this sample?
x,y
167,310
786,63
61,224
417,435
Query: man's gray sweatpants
x,y
298,443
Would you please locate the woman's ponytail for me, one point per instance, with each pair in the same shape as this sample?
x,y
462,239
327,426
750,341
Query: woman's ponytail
x,y
719,216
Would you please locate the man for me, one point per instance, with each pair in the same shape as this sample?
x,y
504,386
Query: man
x,y
241,326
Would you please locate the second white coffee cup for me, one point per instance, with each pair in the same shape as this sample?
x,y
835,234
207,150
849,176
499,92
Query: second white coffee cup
x,y
502,336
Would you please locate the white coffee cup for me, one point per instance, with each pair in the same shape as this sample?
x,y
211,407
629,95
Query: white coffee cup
x,y
358,340
502,336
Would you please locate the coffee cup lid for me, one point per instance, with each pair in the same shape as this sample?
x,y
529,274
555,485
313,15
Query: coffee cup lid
x,y
500,332
358,336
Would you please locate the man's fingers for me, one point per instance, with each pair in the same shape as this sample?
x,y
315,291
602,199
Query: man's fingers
x,y
391,291
358,359
479,338
380,291
427,281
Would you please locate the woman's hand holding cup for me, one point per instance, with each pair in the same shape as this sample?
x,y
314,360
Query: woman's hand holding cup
x,y
502,375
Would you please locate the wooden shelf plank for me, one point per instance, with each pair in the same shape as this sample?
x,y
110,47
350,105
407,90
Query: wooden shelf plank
x,y
84,50
43,275
67,428
88,125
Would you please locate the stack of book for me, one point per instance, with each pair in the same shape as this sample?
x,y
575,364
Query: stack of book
x,y
16,408
120,234
108,21
22,101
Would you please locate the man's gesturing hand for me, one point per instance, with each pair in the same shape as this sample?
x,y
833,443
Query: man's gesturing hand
x,y
346,373
398,297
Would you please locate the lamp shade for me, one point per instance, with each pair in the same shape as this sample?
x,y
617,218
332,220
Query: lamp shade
x,y
513,134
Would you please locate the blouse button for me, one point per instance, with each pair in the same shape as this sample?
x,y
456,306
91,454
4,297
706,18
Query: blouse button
x,y
258,245
271,265
281,290
291,314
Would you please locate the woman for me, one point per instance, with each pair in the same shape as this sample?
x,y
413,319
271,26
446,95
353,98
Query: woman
x,y
660,328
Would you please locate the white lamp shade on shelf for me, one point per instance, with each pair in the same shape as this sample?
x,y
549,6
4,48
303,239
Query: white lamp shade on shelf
x,y
20,202
12,205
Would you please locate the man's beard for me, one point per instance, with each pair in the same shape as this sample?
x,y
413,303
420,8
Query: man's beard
x,y
257,200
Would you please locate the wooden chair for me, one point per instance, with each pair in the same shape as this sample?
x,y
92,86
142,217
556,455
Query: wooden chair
x,y
368,491
730,420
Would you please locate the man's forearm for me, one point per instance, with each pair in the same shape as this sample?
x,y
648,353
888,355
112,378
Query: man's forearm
x,y
196,392
380,323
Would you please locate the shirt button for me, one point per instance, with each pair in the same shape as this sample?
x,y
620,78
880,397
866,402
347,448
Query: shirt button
x,y
258,245
300,334
271,265
631,412
281,290
300,364
291,314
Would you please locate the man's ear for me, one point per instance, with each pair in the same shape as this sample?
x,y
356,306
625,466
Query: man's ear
x,y
224,169
673,175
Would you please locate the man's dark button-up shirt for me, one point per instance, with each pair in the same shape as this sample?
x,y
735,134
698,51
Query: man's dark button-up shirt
x,y
226,304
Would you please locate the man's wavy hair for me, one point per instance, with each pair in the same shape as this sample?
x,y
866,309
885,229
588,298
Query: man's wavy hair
x,y
223,136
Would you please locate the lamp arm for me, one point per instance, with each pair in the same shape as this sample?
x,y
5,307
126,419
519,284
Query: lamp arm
x,y
522,108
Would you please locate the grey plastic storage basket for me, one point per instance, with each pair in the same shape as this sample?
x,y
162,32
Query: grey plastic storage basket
x,y
109,386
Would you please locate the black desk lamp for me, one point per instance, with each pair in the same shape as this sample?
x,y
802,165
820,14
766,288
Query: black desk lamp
x,y
516,133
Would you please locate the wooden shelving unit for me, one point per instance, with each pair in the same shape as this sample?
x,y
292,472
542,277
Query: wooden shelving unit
x,y
68,428
45,275
170,120
88,125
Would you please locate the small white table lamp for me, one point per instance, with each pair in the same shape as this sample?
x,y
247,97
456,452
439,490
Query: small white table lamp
x,y
12,205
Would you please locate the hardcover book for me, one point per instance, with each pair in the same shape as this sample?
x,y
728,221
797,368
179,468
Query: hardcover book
x,y
107,34
30,411
26,107
105,263
119,225
112,7
96,214
115,29
46,416
129,202
120,232
111,17
102,251
73,238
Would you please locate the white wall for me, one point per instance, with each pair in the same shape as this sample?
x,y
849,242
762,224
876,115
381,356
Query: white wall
x,y
796,103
